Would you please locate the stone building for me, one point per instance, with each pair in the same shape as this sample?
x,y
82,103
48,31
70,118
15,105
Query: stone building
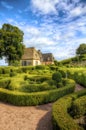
x,y
34,57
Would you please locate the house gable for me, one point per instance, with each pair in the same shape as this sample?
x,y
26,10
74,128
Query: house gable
x,y
33,57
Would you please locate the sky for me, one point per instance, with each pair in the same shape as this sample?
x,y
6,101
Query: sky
x,y
55,26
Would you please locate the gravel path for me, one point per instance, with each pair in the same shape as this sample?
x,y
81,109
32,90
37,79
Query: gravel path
x,y
27,118
78,87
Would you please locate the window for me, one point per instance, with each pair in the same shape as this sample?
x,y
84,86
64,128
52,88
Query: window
x,y
29,62
36,62
24,63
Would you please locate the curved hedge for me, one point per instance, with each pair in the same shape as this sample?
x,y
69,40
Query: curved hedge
x,y
61,118
78,74
79,107
21,98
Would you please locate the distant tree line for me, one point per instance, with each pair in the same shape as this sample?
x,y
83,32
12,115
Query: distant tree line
x,y
80,56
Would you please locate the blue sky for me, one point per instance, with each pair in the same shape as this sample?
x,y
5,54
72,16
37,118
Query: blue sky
x,y
57,26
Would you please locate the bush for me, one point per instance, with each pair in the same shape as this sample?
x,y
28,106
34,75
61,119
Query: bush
x,y
59,85
0,70
13,74
5,70
53,67
27,68
78,74
35,87
41,67
57,77
79,107
4,83
36,98
39,78
61,118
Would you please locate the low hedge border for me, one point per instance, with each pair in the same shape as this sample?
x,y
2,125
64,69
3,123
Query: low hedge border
x,y
61,118
79,75
23,99
79,107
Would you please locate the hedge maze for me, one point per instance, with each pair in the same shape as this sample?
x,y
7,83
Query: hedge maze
x,y
23,86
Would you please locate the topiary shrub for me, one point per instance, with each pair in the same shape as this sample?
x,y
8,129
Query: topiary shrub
x,y
57,77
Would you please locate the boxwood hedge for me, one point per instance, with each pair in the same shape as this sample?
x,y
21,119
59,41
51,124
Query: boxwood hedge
x,y
78,74
79,107
61,118
21,98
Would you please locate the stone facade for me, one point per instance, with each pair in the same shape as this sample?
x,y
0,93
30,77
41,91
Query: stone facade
x,y
33,57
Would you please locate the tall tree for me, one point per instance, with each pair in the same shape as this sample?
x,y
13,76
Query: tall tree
x,y
81,49
11,43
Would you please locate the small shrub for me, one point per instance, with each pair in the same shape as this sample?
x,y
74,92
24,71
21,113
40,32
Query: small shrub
x,y
57,77
59,85
13,74
25,77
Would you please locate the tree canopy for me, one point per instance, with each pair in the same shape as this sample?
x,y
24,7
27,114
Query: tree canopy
x,y
11,43
81,49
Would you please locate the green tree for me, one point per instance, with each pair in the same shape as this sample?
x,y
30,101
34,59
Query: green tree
x,y
11,43
81,49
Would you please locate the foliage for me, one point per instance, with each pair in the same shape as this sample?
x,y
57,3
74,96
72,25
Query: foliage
x,y
57,77
21,98
78,74
66,61
79,107
11,43
4,83
41,67
61,118
13,74
81,49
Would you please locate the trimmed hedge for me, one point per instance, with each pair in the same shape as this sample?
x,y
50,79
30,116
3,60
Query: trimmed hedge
x,y
23,99
77,74
24,86
61,118
79,107
4,83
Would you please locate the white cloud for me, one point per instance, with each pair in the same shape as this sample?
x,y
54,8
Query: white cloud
x,y
49,36
61,40
45,6
78,11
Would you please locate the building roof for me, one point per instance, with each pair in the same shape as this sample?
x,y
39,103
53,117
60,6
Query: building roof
x,y
30,53
47,57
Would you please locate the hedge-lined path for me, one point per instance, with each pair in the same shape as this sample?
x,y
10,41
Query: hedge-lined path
x,y
27,118
78,87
